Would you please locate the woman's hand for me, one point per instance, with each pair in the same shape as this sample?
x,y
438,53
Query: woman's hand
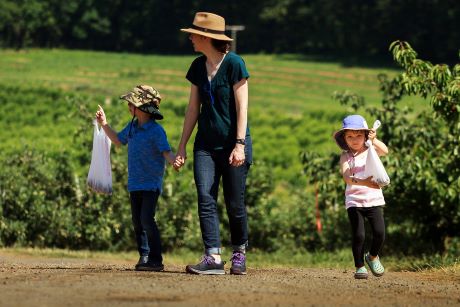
x,y
100,116
181,156
237,157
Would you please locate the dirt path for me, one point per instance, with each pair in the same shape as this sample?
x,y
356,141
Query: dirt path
x,y
40,281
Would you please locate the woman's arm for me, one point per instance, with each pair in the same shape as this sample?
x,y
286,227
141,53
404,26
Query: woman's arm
x,y
191,117
102,120
240,90
351,180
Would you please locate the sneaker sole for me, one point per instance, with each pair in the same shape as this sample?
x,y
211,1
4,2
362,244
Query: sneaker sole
x,y
208,272
237,273
144,269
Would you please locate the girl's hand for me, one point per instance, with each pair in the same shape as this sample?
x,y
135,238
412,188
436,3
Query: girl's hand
x,y
371,184
237,157
372,135
100,116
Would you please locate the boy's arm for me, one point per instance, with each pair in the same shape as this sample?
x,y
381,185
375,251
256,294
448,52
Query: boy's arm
x,y
102,120
170,157
351,180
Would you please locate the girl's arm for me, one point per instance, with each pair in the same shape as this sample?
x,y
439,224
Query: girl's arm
x,y
102,120
191,117
380,147
349,179
240,89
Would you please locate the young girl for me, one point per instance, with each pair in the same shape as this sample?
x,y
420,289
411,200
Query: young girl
x,y
363,197
148,149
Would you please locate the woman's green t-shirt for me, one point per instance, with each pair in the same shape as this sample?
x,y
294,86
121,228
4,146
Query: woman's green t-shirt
x,y
217,120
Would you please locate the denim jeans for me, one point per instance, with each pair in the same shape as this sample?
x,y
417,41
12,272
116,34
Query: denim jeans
x,y
209,167
143,206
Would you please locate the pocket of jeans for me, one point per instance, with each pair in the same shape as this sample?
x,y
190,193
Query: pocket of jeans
x,y
248,150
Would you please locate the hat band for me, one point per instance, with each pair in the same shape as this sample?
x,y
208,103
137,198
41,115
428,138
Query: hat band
x,y
207,30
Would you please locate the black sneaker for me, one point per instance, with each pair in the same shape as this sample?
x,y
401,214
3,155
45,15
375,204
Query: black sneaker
x,y
207,266
238,263
142,261
149,266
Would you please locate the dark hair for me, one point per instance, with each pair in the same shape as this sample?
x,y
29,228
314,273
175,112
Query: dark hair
x,y
221,46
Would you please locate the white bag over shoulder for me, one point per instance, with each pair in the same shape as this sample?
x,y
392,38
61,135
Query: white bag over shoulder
x,y
374,166
100,171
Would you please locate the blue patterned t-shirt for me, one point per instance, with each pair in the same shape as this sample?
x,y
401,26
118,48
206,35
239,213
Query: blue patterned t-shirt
x,y
146,164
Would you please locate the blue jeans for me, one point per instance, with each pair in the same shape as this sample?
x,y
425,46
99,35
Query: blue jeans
x,y
143,206
209,167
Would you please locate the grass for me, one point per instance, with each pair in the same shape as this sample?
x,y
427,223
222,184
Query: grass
x,y
342,259
290,100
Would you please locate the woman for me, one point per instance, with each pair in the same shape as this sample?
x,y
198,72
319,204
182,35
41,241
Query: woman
x,y
219,103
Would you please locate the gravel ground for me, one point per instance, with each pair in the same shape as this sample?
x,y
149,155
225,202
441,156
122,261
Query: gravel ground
x,y
43,281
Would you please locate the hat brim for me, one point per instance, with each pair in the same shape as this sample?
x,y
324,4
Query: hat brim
x,y
127,97
146,108
340,140
152,110
221,37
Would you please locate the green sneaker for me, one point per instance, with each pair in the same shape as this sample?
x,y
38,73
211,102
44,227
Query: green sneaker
x,y
361,273
374,265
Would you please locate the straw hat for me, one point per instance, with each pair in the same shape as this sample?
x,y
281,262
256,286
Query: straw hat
x,y
351,122
209,25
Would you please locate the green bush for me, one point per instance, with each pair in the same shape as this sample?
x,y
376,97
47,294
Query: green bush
x,y
423,199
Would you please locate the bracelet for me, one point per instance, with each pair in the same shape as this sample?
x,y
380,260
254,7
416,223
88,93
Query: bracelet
x,y
240,141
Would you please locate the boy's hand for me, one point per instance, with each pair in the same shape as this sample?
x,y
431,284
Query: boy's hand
x,y
100,116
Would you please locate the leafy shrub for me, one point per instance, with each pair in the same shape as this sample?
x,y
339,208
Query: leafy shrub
x,y
423,202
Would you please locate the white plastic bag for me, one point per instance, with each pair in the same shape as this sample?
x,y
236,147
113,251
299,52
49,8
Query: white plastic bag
x,y
374,166
100,171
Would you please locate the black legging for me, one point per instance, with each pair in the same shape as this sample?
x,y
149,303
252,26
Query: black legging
x,y
375,217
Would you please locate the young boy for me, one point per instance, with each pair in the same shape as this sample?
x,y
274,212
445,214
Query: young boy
x,y
148,149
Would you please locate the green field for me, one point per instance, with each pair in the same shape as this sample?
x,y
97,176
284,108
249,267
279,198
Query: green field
x,y
290,110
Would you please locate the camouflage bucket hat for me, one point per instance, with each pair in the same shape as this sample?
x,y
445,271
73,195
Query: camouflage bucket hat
x,y
145,98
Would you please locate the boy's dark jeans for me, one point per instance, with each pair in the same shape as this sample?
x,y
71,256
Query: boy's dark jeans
x,y
209,167
143,206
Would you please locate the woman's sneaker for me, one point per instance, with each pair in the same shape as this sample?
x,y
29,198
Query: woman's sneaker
x,y
207,266
238,263
361,273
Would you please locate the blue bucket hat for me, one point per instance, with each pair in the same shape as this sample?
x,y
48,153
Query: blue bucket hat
x,y
351,122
